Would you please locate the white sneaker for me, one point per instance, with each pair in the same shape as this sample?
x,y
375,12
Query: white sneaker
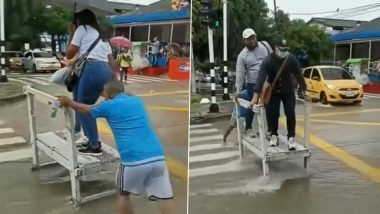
x,y
291,144
273,141
81,140
251,133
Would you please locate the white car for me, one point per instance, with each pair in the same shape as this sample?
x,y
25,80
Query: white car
x,y
40,61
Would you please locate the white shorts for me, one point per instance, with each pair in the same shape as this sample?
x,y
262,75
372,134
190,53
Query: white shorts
x,y
151,179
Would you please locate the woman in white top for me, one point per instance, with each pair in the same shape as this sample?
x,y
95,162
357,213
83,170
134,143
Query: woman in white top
x,y
96,72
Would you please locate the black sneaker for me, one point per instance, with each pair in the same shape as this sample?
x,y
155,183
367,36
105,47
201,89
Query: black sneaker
x,y
85,145
90,151
82,146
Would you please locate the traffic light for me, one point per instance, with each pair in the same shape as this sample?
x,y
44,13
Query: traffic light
x,y
205,12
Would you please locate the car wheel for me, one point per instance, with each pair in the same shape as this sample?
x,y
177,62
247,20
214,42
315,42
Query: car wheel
x,y
323,98
34,68
357,102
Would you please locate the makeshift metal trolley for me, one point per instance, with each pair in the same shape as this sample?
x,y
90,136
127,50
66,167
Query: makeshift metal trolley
x,y
259,145
60,146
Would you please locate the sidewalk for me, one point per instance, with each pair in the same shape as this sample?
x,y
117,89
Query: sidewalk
x,y
201,111
11,90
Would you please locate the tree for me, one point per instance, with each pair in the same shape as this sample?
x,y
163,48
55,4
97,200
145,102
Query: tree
x,y
314,41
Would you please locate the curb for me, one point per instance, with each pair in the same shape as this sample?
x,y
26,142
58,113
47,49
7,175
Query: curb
x,y
17,97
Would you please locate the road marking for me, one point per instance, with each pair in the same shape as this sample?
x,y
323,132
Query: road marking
x,y
350,160
131,80
36,81
233,166
200,126
343,122
213,156
342,113
163,93
377,96
176,167
15,155
206,138
6,130
167,108
11,141
149,80
204,131
209,146
43,78
156,78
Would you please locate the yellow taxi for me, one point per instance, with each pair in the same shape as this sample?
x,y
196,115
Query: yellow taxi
x,y
332,84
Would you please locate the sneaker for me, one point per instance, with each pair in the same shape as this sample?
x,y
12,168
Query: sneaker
x,y
251,133
273,141
291,144
90,151
82,140
77,136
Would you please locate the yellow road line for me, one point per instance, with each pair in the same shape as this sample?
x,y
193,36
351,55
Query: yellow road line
x,y
163,93
168,108
176,168
343,122
350,160
343,113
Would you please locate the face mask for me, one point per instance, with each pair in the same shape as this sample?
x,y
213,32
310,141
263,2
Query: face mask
x,y
282,54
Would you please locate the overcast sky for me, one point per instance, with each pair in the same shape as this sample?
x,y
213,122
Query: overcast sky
x,y
317,6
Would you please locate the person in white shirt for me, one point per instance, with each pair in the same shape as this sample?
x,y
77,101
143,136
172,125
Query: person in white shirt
x,y
95,74
155,51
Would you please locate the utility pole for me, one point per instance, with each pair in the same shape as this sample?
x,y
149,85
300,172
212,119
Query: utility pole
x,y
207,19
226,96
3,77
275,12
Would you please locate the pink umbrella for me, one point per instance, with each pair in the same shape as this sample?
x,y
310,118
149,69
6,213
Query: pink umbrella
x,y
120,42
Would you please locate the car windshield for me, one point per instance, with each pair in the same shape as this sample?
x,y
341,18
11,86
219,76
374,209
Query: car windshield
x,y
335,74
42,55
12,54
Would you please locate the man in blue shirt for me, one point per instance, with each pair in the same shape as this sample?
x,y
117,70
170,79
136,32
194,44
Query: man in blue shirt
x,y
142,168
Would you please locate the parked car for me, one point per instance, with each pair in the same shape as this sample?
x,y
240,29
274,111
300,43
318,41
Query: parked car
x,y
13,59
332,84
40,61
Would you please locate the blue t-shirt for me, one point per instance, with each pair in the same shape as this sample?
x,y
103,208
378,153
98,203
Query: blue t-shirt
x,y
134,137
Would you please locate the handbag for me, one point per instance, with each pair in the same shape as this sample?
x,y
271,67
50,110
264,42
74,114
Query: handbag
x,y
266,93
77,67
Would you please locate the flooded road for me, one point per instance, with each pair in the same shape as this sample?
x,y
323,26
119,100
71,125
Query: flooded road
x,y
344,176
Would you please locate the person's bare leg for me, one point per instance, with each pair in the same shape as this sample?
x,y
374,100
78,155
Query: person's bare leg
x,y
227,133
124,205
166,206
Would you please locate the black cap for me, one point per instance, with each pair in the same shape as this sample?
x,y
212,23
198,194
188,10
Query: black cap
x,y
280,43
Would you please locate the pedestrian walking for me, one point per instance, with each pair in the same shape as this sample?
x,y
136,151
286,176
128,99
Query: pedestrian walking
x,y
125,60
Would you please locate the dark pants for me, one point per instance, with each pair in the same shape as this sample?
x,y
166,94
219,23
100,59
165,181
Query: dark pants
x,y
273,113
250,114
123,73
155,59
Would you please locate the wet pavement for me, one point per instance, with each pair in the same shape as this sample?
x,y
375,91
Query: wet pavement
x,y
43,192
344,176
